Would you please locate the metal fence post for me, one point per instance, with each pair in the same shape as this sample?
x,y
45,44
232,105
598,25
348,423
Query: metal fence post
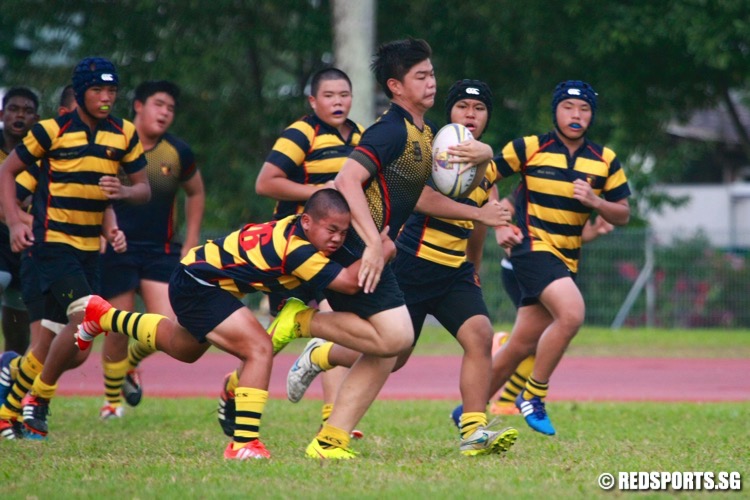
x,y
644,277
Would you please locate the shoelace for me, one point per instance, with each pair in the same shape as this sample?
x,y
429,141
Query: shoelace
x,y
539,411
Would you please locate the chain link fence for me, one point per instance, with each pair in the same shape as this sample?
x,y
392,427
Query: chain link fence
x,y
635,278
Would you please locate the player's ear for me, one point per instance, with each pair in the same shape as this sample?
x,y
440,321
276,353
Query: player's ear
x,y
306,221
395,86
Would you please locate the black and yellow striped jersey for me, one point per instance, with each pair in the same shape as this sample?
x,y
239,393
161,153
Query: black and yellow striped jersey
x,y
68,205
169,163
444,241
550,219
26,182
270,257
310,151
398,156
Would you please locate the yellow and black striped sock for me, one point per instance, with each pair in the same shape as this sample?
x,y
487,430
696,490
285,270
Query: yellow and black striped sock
x,y
329,437
472,421
319,356
250,404
13,365
114,376
232,382
137,352
140,326
42,389
535,388
326,411
28,369
302,321
517,381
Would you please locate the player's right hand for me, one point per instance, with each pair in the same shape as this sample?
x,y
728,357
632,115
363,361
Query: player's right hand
x,y
372,266
21,236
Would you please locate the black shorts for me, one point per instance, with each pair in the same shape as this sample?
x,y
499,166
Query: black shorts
x,y
65,274
199,308
452,295
123,272
10,262
510,283
535,271
30,289
387,294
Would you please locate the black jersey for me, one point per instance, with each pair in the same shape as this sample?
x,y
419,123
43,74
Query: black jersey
x,y
398,156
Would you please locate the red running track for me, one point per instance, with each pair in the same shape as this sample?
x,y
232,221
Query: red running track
x,y
436,377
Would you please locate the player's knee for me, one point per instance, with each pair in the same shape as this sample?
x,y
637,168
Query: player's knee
x,y
256,349
395,344
571,321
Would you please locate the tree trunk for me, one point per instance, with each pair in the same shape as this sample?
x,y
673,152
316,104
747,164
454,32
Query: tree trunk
x,y
353,40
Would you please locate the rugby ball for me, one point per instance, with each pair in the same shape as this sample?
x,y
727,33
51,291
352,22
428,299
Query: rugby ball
x,y
451,178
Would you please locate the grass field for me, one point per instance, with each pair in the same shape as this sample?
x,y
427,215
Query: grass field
x,y
171,448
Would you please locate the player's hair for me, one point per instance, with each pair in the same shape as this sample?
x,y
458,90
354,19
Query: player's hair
x,y
21,92
151,87
395,59
67,97
325,201
324,75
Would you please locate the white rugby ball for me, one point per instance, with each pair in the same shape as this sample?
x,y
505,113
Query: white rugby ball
x,y
451,178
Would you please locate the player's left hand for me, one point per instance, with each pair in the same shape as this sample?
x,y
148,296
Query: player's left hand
x,y
582,192
472,152
601,226
112,187
117,239
494,214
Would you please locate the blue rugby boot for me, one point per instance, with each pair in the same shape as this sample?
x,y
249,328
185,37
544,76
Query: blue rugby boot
x,y
456,415
535,414
6,377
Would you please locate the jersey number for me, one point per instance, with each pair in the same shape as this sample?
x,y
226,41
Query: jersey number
x,y
254,234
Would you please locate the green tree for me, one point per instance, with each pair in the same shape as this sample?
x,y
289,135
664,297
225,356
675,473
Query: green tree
x,y
243,66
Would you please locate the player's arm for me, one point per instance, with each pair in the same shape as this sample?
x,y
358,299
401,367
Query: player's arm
x,y
435,204
274,183
349,182
506,236
475,245
111,232
25,217
195,203
614,212
347,280
21,235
